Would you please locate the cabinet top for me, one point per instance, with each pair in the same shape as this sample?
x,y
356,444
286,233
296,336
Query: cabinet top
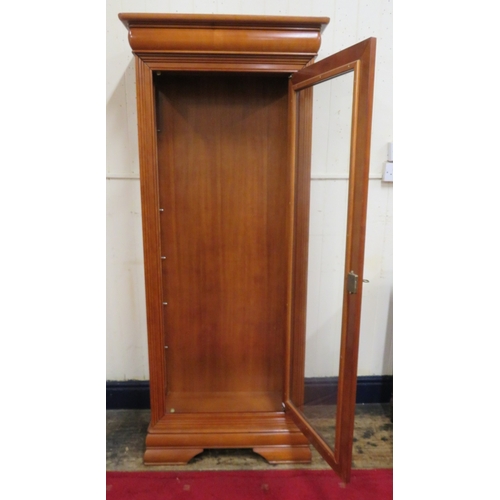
x,y
205,42
219,20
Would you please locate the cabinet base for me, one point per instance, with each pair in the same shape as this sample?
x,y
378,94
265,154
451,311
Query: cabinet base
x,y
285,454
273,454
177,438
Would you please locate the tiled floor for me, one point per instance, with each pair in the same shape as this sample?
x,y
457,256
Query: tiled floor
x,y
126,431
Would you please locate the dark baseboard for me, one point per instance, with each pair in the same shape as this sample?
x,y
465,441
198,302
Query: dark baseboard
x,y
372,389
134,394
127,395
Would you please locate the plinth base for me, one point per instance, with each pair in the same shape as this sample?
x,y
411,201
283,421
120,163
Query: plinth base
x,y
177,438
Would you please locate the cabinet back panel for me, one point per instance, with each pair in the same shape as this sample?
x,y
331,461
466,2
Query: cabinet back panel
x,y
222,157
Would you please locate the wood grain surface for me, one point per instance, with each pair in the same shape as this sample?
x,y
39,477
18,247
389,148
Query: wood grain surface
x,y
222,160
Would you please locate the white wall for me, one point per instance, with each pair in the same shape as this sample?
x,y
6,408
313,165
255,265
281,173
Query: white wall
x,y
350,22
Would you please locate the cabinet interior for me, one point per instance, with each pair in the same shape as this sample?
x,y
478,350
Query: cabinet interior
x,y
222,153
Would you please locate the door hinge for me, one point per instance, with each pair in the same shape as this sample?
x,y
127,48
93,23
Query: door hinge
x,y
352,282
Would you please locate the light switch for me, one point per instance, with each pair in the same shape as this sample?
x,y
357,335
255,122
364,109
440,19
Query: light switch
x,y
387,176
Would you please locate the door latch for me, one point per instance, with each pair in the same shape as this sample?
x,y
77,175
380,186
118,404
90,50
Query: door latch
x,y
352,282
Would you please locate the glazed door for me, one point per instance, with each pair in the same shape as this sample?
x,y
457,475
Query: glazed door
x,y
343,93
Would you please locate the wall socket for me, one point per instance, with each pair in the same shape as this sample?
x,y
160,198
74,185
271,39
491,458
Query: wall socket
x,y
387,176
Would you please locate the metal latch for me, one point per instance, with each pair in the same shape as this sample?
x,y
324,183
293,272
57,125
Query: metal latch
x,y
352,282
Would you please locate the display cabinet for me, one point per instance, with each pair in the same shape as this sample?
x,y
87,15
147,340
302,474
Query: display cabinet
x,y
224,119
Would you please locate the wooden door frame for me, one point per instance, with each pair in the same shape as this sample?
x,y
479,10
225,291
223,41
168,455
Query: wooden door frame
x,y
360,59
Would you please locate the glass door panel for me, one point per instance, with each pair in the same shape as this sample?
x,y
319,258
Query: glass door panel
x,y
330,170
330,159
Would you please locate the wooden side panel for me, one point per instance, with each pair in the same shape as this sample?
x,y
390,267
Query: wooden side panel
x,y
301,242
151,236
222,162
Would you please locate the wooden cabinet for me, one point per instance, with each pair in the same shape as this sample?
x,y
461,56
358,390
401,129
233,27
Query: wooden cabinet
x,y
224,117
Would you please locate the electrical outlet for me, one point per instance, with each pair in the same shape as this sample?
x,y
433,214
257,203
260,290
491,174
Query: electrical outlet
x,y
387,176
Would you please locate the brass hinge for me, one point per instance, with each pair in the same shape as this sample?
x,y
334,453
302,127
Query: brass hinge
x,y
352,282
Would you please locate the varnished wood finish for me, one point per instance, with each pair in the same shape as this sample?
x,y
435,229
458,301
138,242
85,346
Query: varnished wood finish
x,y
360,58
230,401
355,252
217,217
288,23
179,455
224,43
271,434
300,241
225,200
285,454
222,161
299,159
151,236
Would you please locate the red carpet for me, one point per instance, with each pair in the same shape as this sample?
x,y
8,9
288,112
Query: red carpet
x,y
249,485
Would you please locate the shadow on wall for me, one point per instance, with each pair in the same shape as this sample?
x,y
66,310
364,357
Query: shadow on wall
x,y
122,153
126,339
